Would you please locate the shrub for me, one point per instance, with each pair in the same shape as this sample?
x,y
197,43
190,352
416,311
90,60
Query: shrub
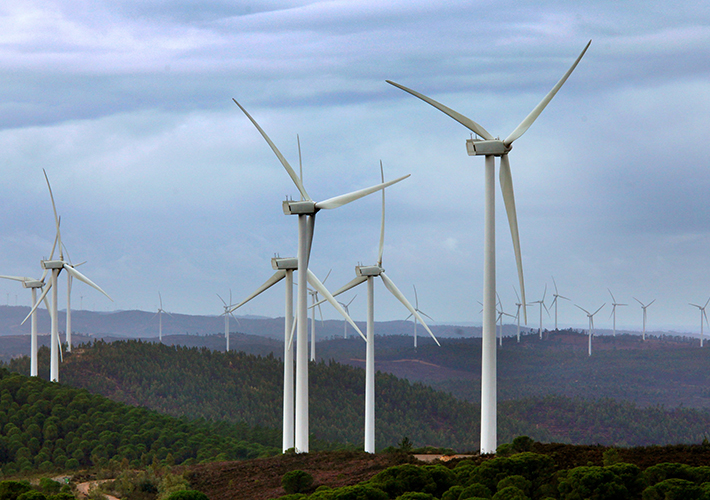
x,y
510,493
32,495
296,481
516,480
397,480
49,485
673,489
475,490
187,495
10,490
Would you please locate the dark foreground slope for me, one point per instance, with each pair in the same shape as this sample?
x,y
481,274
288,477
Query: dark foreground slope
x,y
236,387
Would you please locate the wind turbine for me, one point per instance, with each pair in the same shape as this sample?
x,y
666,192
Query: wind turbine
x,y
347,310
33,285
56,266
702,315
491,148
284,268
314,299
614,304
590,316
542,304
226,315
517,313
306,210
416,308
556,296
644,314
368,274
160,317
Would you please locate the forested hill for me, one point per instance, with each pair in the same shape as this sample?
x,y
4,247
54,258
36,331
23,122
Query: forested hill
x,y
236,387
49,426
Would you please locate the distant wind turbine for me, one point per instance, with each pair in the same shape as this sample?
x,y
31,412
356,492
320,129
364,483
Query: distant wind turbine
x,y
347,310
702,315
518,304
314,299
644,307
556,296
590,316
306,210
160,317
226,315
614,305
492,147
542,305
416,308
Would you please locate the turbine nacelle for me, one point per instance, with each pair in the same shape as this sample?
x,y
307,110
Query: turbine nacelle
x,y
307,207
493,147
284,264
52,264
33,284
367,271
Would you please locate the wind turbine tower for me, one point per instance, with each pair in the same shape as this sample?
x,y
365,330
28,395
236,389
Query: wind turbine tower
x,y
614,305
542,305
590,316
226,315
306,210
416,308
491,147
702,315
556,296
644,307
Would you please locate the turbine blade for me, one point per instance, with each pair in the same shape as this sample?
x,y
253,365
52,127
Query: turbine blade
x,y
315,283
612,295
223,302
351,284
293,331
36,304
76,274
400,296
344,199
416,297
525,124
276,151
555,283
600,308
16,278
382,224
466,122
506,186
654,300
56,218
275,278
582,308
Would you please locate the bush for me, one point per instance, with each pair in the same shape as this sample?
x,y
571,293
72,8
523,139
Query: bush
x,y
673,489
49,485
187,495
397,480
510,493
415,495
32,495
475,490
518,481
296,481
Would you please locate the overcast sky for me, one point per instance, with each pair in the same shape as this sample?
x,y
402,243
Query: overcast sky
x,y
163,185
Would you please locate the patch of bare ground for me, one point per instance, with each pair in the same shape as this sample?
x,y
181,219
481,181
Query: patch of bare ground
x,y
260,479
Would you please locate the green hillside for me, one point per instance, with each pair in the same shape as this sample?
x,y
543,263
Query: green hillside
x,y
247,389
47,426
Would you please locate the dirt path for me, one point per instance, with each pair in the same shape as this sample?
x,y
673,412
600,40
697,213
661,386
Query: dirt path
x,y
84,488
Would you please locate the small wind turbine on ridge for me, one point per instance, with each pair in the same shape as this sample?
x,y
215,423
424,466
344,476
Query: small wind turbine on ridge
x,y
644,307
347,310
314,301
416,308
590,316
542,305
556,296
614,304
702,315
226,315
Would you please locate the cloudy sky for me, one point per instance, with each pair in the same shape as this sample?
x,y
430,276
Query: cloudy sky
x,y
163,185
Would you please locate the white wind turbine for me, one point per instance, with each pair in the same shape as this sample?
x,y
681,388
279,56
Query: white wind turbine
x,y
368,274
160,317
702,315
644,314
614,304
306,210
33,285
556,296
490,147
285,266
542,305
590,316
416,308
347,310
518,304
226,315
56,266
314,300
